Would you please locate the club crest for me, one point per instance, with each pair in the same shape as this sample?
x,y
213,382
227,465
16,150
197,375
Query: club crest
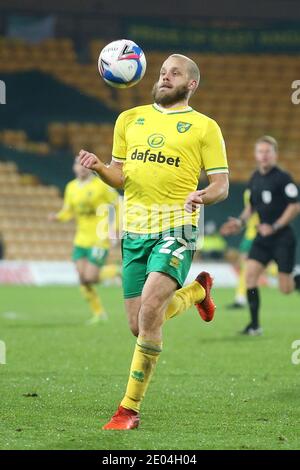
x,y
183,126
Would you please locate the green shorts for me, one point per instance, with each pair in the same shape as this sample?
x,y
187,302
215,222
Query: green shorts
x,y
93,254
245,245
168,252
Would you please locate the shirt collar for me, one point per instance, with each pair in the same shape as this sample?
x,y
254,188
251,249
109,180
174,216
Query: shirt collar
x,y
179,109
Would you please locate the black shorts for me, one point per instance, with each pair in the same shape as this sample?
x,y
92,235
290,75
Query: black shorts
x,y
280,248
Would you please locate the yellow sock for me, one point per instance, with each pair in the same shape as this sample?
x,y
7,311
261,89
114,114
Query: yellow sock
x,y
109,271
90,294
240,293
272,269
184,298
144,360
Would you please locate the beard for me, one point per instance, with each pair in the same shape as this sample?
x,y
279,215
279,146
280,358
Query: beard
x,y
173,96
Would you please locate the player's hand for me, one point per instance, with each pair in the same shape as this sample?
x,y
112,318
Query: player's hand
x,y
89,160
265,230
51,217
231,227
194,200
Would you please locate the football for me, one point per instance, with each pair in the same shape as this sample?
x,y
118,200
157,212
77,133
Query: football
x,y
122,63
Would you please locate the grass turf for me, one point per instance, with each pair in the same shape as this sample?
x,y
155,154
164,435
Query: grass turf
x,y
212,388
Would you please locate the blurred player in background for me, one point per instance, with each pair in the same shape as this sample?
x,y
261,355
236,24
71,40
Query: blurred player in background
x,y
159,163
87,200
240,299
274,196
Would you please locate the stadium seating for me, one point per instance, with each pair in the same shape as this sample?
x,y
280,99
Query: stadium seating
x,y
249,95
19,140
24,228
24,205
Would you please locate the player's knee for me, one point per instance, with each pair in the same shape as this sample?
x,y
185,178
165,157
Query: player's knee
x,y
150,317
134,330
134,327
286,289
88,279
148,308
251,282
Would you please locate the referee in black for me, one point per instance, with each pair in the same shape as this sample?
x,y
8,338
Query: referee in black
x,y
274,196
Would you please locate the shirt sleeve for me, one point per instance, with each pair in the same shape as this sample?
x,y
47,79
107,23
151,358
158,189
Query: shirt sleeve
x,y
66,213
119,141
111,196
214,159
249,188
289,189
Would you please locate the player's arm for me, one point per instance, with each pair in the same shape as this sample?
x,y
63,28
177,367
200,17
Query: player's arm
x,y
235,224
111,174
291,195
216,191
288,215
214,162
113,198
66,213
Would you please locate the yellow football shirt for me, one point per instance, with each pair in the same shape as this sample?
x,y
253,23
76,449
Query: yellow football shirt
x,y
253,221
87,202
163,152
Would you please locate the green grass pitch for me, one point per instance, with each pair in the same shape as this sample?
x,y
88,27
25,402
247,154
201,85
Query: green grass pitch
x,y
212,389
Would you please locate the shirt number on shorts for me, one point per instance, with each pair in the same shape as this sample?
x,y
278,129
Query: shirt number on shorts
x,y
169,242
97,253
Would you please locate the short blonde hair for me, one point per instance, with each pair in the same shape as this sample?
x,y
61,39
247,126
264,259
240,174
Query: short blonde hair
x,y
193,68
268,139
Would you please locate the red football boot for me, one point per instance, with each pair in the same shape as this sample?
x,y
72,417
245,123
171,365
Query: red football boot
x,y
206,307
123,419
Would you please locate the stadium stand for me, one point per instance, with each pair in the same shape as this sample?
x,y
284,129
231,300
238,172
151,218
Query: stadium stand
x,y
24,205
76,110
25,232
262,106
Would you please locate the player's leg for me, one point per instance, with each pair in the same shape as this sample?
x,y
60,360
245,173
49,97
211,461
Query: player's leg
x,y
240,299
185,298
96,260
285,256
260,255
110,272
80,259
286,283
89,292
173,255
165,273
134,276
91,273
241,290
135,252
132,307
157,292
86,288
80,265
87,264
254,269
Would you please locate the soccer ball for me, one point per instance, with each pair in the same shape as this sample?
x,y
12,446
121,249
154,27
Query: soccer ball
x,y
122,63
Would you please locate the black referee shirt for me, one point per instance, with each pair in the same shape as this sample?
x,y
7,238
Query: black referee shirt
x,y
271,193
